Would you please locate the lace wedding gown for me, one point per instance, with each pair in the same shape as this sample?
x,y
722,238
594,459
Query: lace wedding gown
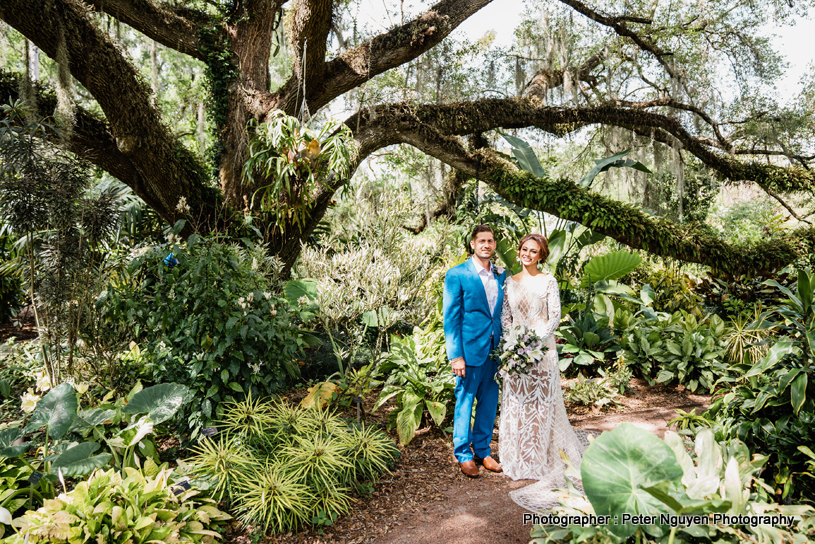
x,y
534,426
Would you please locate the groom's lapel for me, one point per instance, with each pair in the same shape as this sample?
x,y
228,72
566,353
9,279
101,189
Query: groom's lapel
x,y
476,285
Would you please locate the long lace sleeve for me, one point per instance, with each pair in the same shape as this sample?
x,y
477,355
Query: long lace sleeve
x,y
506,311
552,295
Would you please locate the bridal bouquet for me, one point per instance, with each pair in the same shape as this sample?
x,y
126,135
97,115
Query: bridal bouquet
x,y
519,351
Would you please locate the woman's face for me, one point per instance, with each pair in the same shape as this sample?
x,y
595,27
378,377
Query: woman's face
x,y
530,253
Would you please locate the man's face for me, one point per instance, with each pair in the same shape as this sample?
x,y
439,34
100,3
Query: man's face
x,y
483,245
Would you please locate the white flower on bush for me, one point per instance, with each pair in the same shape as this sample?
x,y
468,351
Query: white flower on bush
x,y
29,402
302,301
267,295
182,205
43,381
81,388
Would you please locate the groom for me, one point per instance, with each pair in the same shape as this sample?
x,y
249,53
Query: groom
x,y
473,296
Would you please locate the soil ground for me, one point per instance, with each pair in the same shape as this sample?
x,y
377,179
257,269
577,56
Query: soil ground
x,y
426,499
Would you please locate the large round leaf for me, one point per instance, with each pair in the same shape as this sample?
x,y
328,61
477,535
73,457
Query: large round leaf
x,y
78,461
611,266
295,289
159,402
615,468
57,410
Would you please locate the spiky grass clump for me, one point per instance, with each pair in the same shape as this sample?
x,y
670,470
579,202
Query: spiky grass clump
x,y
284,467
370,452
248,418
222,462
274,498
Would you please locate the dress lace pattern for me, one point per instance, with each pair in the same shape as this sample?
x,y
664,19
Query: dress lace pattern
x,y
534,427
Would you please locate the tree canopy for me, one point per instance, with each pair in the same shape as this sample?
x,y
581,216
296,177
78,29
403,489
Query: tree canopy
x,y
693,80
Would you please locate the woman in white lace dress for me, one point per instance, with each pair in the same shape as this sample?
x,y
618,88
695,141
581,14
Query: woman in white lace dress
x,y
534,427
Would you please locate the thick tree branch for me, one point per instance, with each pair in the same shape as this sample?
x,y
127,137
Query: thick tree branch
x,y
621,221
168,170
310,27
546,80
156,22
490,113
386,51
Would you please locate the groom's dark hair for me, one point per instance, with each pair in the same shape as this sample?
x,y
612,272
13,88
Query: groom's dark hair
x,y
482,228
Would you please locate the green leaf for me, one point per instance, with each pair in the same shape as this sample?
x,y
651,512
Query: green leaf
x,y
618,464
369,318
77,461
437,411
611,266
7,439
615,161
527,160
407,421
160,402
87,419
798,392
295,289
57,410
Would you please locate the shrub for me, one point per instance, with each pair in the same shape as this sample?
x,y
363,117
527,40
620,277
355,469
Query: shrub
x,y
212,323
135,507
282,467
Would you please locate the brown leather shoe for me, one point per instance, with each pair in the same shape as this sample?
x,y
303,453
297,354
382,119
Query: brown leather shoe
x,y
490,464
469,469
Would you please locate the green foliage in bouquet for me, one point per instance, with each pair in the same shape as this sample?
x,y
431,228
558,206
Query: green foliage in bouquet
x,y
137,507
282,467
629,470
213,323
419,386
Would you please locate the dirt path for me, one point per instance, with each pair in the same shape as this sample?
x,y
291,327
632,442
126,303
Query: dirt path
x,y
480,511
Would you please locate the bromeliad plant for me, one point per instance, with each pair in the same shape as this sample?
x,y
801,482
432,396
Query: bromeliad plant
x,y
282,467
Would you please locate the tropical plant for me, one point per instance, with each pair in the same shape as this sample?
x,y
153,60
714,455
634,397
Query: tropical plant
x,y
743,341
282,467
213,322
288,163
136,506
588,342
419,387
629,471
593,392
673,292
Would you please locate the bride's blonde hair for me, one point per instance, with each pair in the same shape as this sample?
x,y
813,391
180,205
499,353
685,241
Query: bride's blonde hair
x,y
539,239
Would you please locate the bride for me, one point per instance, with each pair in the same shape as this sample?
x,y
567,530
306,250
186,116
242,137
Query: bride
x,y
534,427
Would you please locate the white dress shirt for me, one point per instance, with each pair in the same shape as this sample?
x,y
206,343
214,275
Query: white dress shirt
x,y
490,283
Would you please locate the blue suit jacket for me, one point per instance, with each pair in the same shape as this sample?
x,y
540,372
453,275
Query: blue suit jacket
x,y
468,323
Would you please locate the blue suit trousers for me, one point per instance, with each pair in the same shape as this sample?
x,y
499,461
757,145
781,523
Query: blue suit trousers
x,y
478,384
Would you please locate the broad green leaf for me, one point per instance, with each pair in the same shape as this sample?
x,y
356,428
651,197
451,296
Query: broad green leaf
x,y
611,266
7,438
618,464
407,421
296,289
615,161
87,419
160,402
647,294
319,395
527,160
437,411
798,392
370,319
77,460
57,410
584,359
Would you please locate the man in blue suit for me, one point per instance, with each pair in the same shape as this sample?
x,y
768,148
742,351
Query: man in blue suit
x,y
473,296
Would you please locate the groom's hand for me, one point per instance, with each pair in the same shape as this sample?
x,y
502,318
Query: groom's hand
x,y
458,366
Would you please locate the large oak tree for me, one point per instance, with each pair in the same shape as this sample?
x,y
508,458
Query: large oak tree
x,y
235,39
